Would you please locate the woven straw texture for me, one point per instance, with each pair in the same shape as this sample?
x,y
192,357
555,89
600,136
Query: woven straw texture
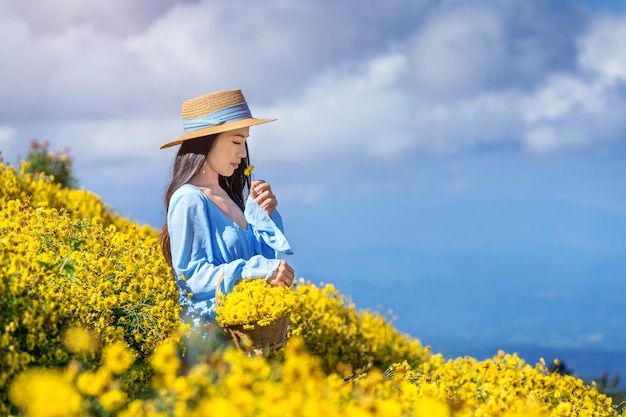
x,y
258,339
208,103
261,338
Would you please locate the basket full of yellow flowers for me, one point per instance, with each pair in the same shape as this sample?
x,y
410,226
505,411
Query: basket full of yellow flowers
x,y
255,315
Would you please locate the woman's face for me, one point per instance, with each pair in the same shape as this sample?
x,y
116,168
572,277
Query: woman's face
x,y
227,152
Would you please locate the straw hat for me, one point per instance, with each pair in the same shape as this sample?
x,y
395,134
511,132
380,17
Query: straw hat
x,y
215,113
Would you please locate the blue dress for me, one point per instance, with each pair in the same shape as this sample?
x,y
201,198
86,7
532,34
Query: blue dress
x,y
205,244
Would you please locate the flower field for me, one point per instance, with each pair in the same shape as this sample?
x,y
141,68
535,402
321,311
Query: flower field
x,y
89,327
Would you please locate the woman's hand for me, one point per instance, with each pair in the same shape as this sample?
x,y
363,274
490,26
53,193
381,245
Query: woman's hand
x,y
283,276
261,192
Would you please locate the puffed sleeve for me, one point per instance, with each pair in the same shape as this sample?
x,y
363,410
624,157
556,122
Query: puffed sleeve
x,y
268,230
194,258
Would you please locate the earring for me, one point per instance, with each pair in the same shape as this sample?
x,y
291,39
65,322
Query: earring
x,y
203,169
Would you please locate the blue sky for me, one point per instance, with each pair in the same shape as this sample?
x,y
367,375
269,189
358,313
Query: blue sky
x,y
459,162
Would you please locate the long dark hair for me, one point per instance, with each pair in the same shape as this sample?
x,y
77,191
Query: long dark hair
x,y
188,162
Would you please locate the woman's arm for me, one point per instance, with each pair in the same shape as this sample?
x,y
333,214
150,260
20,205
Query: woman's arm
x,y
198,286
266,221
193,260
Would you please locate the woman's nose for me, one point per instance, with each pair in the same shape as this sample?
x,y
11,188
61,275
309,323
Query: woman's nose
x,y
242,151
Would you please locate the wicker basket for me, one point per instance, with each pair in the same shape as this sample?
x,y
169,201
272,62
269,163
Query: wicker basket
x,y
259,339
256,339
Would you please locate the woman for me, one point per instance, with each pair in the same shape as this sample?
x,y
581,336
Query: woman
x,y
212,233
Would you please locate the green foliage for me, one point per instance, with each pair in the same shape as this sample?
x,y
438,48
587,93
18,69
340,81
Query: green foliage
x,y
609,385
66,262
38,191
89,326
57,272
57,166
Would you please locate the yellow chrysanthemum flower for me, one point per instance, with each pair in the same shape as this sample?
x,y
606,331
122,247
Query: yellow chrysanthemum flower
x,y
112,400
117,358
255,301
80,340
68,260
165,359
45,393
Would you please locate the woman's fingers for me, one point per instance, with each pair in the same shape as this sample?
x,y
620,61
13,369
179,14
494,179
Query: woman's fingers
x,y
259,186
288,273
283,275
262,194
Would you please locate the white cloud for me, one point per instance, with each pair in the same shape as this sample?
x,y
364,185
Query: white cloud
x,y
112,16
71,74
6,133
563,95
450,80
170,54
603,51
106,138
543,139
343,114
458,50
586,107
457,59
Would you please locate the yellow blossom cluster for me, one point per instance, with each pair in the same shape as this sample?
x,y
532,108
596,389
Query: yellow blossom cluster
x,y
232,384
76,390
502,385
39,191
254,302
346,339
248,170
57,272
89,318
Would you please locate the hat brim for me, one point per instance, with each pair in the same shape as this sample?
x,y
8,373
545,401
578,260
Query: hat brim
x,y
238,124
